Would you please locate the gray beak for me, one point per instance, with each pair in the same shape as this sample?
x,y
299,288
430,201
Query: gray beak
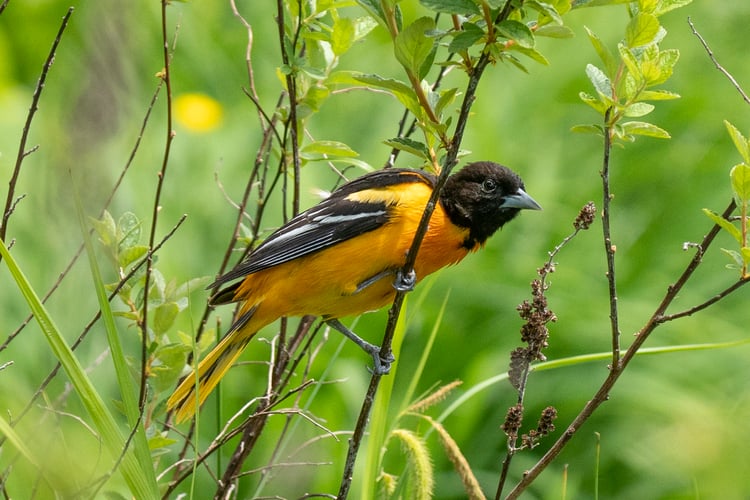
x,y
520,200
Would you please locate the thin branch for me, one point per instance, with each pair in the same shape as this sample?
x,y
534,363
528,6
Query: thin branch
x,y
609,247
22,153
535,334
711,56
111,196
602,394
165,76
395,310
692,310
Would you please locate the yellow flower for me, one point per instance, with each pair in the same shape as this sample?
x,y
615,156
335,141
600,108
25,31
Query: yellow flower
x,y
197,112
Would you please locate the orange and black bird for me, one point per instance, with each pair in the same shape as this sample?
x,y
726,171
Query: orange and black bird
x,y
343,256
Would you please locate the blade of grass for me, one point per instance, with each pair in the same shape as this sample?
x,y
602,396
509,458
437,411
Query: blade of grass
x,y
575,360
137,480
409,395
18,442
125,382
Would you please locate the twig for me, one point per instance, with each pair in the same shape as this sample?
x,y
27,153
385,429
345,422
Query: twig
x,y
111,196
395,310
165,76
609,247
603,393
22,152
716,63
534,332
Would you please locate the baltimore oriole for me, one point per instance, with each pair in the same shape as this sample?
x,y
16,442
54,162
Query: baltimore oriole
x,y
340,257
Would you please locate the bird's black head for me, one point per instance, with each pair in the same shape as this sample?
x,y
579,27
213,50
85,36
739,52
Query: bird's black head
x,y
483,196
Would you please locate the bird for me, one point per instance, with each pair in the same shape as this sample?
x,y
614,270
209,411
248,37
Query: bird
x,y
343,257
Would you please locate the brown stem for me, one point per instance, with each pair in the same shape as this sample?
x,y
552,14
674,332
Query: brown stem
x,y
616,370
395,310
609,247
11,199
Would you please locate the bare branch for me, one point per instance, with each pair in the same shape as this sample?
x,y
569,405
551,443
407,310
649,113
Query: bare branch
x,y
22,153
711,56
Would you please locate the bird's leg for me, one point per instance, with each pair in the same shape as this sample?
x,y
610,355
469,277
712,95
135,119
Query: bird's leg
x,y
405,283
373,279
382,362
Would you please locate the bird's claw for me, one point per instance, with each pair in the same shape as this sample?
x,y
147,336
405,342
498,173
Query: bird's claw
x,y
381,364
405,283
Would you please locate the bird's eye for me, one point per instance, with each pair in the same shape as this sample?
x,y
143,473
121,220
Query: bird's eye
x,y
488,186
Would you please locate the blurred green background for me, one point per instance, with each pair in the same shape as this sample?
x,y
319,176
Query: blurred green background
x,y
676,424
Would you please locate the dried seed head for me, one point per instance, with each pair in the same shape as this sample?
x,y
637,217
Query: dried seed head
x,y
513,421
546,421
585,217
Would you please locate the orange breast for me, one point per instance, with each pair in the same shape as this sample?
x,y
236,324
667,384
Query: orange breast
x,y
326,283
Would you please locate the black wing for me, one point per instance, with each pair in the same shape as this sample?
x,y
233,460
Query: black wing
x,y
338,218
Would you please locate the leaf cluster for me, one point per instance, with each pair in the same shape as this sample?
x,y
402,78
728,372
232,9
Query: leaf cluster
x,y
624,83
121,242
739,177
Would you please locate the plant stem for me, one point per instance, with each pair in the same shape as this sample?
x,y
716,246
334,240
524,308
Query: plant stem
x,y
602,394
609,247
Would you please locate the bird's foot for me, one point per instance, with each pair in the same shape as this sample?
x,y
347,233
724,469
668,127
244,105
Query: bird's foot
x,y
405,283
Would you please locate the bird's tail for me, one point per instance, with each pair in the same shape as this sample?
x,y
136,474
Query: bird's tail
x,y
191,393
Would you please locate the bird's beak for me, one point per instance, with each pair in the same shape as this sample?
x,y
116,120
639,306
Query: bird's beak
x,y
520,200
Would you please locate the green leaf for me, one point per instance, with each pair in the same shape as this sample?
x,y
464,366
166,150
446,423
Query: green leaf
x,y
645,129
587,129
342,36
169,361
470,34
412,46
128,230
724,224
401,91
610,63
577,4
316,96
665,6
638,109
656,67
363,26
131,255
547,11
657,95
739,140
446,98
328,148
740,177
631,63
518,32
641,30
460,7
554,31
375,9
601,82
532,54
600,106
735,256
190,286
164,316
647,5
105,228
410,146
